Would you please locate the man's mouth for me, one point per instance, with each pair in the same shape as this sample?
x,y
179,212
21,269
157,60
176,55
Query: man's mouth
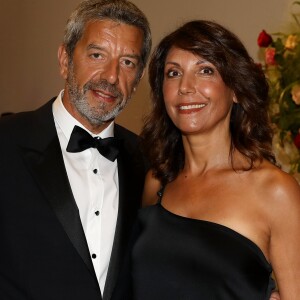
x,y
104,94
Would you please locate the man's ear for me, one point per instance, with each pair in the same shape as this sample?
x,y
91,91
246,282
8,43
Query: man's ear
x,y
142,75
63,60
138,80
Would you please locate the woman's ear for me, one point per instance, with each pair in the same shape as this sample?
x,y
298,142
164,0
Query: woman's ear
x,y
234,99
63,60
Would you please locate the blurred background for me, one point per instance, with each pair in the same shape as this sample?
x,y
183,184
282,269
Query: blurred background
x,y
31,31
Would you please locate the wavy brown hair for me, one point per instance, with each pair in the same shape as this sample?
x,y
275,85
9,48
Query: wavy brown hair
x,y
250,129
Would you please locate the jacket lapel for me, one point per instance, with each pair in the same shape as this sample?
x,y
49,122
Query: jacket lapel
x,y
45,162
118,245
131,173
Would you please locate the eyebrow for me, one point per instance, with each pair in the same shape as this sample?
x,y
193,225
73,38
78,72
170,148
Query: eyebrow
x,y
172,63
93,46
96,47
199,62
135,56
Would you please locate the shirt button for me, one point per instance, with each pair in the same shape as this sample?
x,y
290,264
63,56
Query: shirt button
x,y
97,213
95,171
94,256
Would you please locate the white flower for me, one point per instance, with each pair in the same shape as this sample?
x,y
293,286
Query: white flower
x,y
291,42
285,151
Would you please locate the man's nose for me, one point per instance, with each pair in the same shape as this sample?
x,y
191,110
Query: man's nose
x,y
111,72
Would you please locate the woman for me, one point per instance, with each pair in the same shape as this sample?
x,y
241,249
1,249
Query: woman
x,y
226,215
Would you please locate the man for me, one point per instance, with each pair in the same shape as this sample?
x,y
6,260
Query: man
x,y
68,202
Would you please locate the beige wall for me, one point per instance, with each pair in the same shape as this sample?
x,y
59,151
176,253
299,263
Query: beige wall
x,y
31,31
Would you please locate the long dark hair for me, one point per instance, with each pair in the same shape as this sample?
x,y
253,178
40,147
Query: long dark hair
x,y
249,124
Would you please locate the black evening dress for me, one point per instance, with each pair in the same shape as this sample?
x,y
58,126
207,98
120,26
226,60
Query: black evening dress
x,y
175,257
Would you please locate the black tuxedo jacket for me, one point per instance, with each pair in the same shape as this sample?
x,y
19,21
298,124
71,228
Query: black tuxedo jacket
x,y
43,251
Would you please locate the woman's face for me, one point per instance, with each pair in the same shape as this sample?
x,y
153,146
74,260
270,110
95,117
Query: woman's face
x,y
196,98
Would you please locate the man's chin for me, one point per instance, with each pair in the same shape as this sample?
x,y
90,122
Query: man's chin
x,y
99,121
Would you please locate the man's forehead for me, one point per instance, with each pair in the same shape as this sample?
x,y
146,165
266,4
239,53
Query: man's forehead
x,y
110,33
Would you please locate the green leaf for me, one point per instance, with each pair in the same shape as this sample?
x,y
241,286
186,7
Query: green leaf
x,y
290,121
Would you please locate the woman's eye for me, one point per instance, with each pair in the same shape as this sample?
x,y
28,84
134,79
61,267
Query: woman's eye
x,y
207,71
172,73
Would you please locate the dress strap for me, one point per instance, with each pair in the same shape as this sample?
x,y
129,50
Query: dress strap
x,y
160,194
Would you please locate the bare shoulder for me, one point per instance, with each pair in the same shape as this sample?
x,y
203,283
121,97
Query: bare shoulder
x,y
281,194
280,189
151,187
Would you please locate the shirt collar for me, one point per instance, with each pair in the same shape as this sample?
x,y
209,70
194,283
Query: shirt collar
x,y
67,122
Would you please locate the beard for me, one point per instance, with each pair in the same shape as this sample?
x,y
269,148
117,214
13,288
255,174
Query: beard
x,y
100,113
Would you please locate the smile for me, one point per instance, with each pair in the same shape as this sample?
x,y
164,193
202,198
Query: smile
x,y
104,95
191,106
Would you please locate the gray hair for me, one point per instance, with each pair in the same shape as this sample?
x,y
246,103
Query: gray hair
x,y
116,10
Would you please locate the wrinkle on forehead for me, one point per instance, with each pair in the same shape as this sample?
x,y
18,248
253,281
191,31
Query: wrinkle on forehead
x,y
115,33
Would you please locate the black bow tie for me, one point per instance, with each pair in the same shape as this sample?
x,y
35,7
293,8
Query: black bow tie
x,y
81,140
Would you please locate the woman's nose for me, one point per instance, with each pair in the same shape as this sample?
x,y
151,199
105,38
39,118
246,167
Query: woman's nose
x,y
187,85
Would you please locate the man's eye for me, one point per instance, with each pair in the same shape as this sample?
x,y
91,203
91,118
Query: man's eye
x,y
96,55
129,63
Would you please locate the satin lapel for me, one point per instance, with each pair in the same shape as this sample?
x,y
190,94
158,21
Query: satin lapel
x,y
131,178
120,233
46,165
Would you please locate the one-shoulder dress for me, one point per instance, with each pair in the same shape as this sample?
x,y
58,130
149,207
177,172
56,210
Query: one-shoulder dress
x,y
175,257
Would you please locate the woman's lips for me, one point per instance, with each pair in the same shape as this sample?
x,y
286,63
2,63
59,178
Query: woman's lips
x,y
190,108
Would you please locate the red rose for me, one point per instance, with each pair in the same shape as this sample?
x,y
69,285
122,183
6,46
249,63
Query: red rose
x,y
264,39
297,140
270,56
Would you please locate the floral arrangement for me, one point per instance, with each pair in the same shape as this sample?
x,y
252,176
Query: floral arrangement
x,y
281,65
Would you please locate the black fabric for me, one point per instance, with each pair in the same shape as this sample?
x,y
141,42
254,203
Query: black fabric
x,y
81,140
180,258
44,253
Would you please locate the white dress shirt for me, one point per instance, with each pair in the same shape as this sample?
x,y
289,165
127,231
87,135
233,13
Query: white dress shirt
x,y
94,183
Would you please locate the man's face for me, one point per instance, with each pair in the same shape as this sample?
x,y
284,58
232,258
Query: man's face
x,y
103,72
